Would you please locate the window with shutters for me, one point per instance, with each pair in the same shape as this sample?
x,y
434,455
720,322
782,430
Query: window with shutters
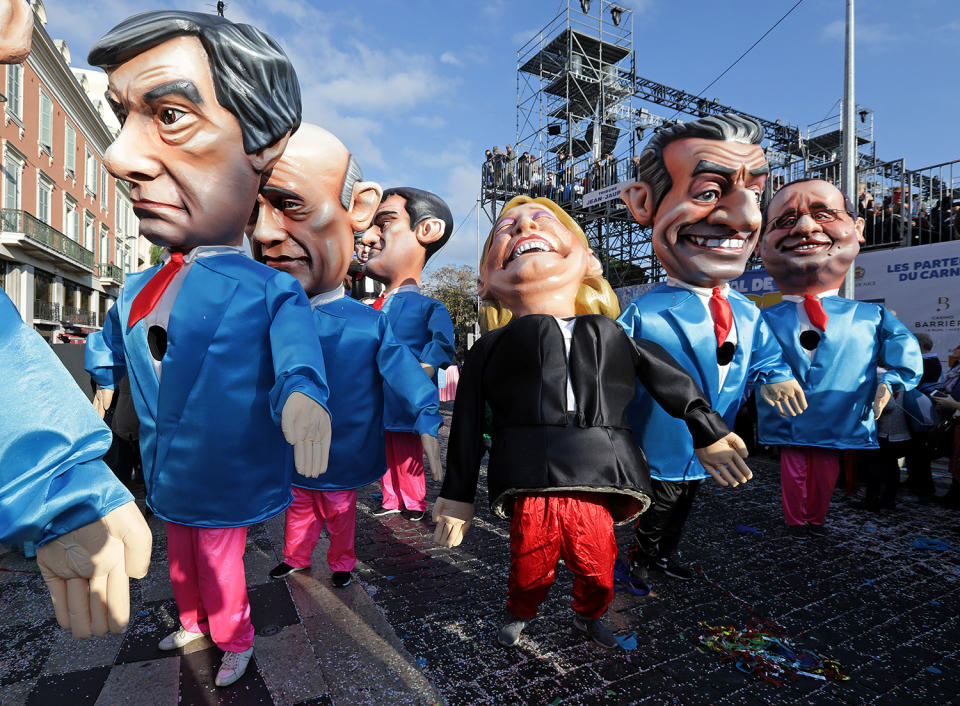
x,y
44,198
90,175
46,123
15,91
70,151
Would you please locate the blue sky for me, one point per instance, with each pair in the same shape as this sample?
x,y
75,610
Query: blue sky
x,y
417,90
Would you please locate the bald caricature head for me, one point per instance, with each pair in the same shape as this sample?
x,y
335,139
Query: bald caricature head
x,y
310,208
811,238
16,31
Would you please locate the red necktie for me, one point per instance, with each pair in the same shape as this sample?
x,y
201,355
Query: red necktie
x,y
814,308
378,302
722,316
148,297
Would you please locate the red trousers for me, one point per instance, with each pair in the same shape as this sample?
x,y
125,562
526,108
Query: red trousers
x,y
304,521
404,484
575,526
808,476
206,570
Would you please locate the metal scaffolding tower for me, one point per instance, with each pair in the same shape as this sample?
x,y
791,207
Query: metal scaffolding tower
x,y
582,111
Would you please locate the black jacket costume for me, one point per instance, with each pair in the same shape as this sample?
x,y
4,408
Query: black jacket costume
x,y
520,370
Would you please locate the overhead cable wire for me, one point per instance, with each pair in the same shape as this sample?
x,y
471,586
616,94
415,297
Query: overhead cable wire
x,y
724,72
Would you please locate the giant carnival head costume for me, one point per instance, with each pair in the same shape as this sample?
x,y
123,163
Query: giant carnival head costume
x,y
537,260
206,107
812,235
699,186
409,227
309,209
16,31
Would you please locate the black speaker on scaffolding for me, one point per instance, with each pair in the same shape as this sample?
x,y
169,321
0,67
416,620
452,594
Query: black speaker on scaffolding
x,y
609,134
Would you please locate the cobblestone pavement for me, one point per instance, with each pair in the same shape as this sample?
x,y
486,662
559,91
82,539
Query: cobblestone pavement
x,y
878,593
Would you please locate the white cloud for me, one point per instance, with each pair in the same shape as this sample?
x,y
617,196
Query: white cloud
x,y
448,57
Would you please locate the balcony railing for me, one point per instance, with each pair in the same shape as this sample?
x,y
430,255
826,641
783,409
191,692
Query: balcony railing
x,y
16,221
78,317
107,270
46,311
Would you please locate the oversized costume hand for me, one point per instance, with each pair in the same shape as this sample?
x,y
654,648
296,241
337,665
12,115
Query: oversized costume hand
x,y
102,400
431,450
453,518
88,570
723,460
786,396
880,399
306,426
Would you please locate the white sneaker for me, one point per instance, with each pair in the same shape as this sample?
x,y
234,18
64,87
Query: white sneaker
x,y
179,638
233,666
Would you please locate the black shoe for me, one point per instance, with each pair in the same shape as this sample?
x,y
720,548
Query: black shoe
x,y
598,632
672,569
640,570
341,579
414,515
384,511
509,634
284,569
797,531
817,530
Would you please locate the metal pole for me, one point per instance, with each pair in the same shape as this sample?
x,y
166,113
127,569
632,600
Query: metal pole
x,y
848,180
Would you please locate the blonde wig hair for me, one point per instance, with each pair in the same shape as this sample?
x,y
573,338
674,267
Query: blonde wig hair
x,y
595,296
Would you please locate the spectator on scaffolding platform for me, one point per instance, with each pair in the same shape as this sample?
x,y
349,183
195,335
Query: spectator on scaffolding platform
x,y
611,172
523,172
549,185
488,170
497,168
635,168
536,175
864,200
510,162
596,180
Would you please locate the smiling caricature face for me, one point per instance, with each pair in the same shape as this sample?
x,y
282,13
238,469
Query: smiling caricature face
x,y
534,264
706,226
815,251
192,183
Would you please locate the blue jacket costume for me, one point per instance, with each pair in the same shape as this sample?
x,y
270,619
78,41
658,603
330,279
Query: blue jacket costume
x,y
213,452
52,478
841,380
360,346
423,325
675,318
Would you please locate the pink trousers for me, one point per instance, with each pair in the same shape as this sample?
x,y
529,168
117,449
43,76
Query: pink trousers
x,y
206,570
807,478
305,518
404,484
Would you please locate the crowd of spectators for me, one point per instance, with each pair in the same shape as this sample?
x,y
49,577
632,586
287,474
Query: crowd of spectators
x,y
894,216
559,176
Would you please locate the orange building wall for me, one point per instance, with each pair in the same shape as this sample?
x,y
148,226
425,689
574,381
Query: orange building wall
x,y
102,209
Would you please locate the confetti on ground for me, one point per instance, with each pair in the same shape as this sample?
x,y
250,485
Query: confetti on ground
x,y
745,529
771,656
628,642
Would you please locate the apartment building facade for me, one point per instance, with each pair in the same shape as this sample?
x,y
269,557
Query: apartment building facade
x,y
68,234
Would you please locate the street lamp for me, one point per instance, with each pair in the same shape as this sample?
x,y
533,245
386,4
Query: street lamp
x,y
585,6
615,14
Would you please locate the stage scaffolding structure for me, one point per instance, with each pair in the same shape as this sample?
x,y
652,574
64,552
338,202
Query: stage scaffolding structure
x,y
580,99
